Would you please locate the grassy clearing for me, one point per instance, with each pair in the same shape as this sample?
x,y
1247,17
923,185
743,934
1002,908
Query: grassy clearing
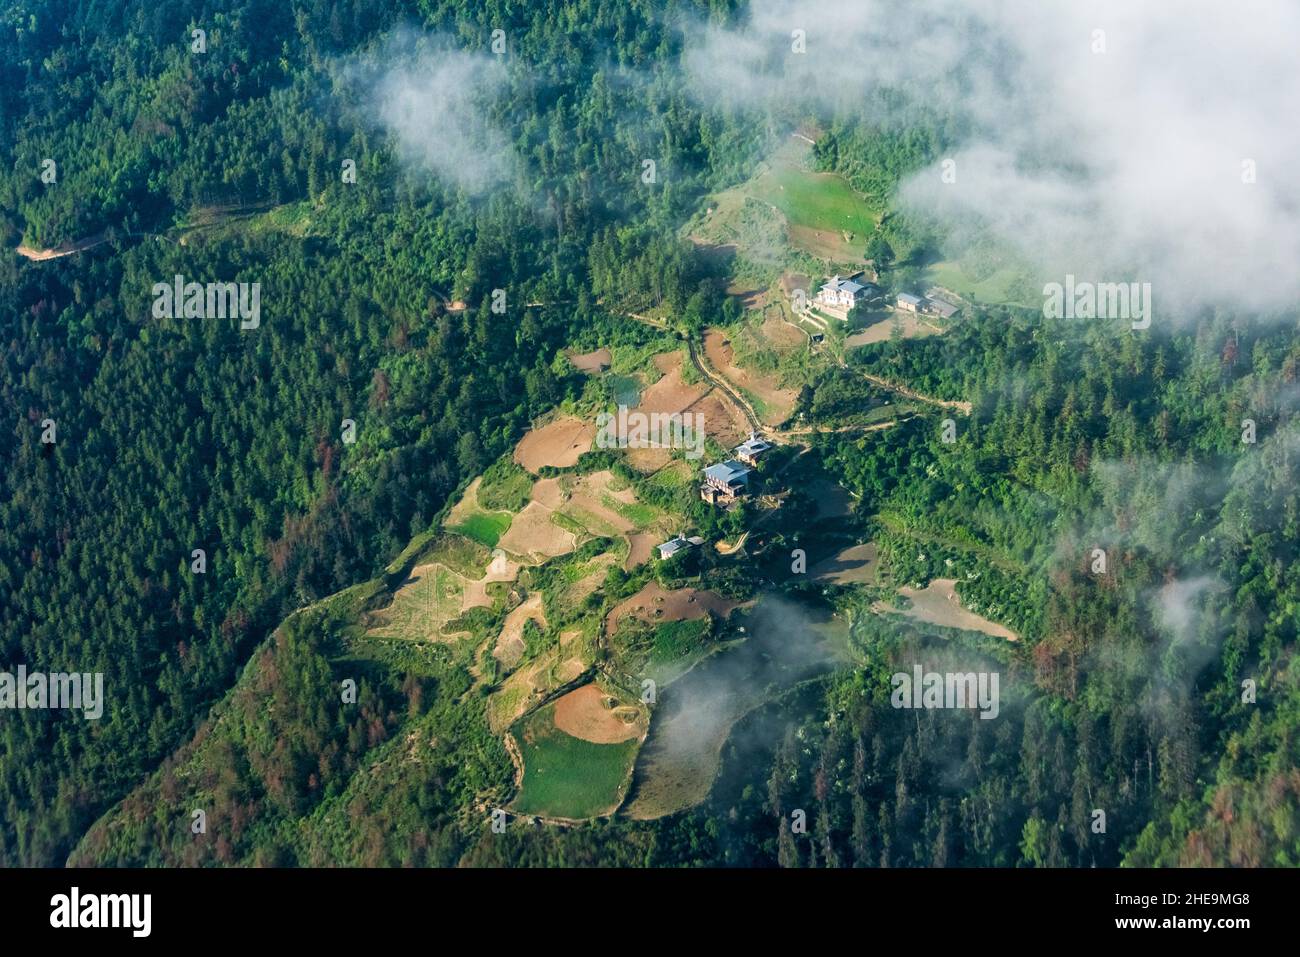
x,y
589,524
673,640
754,228
460,553
507,703
642,516
633,365
1002,286
787,213
566,777
571,525
505,487
675,475
211,224
819,201
484,528
787,217
420,609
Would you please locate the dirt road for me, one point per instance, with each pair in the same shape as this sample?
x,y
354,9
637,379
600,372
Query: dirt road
x,y
61,250
963,407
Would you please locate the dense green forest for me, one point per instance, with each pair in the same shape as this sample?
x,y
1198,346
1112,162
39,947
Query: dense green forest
x,y
1131,696
178,434
377,307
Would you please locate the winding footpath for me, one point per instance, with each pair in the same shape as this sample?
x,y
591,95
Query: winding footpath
x,y
61,250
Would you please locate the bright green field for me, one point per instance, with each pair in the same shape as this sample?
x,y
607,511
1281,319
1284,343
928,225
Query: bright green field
x,y
673,476
567,777
484,528
1004,286
675,639
787,206
636,513
817,201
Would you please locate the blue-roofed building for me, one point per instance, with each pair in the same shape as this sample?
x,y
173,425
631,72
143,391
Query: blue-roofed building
x,y
838,296
726,482
674,545
841,292
752,449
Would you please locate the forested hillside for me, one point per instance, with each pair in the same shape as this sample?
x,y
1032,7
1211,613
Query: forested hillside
x,y
1160,689
437,312
176,435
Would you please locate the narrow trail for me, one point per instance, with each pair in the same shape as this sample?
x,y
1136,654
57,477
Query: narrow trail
x,y
717,380
90,242
827,430
61,250
702,367
723,549
963,407
649,321
224,216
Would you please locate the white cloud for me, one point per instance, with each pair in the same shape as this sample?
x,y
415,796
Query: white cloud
x,y
437,104
1120,164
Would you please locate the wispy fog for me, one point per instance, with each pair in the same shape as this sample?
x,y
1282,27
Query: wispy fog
x,y
437,104
1107,155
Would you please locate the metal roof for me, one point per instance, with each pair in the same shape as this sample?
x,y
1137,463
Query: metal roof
x,y
726,472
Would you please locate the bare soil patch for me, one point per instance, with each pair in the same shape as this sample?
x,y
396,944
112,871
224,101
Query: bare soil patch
x,y
510,644
781,335
779,402
666,362
670,394
534,535
654,604
939,604
500,569
722,420
61,250
569,669
548,492
558,444
649,461
527,687
913,327
828,244
642,546
430,597
792,281
593,362
592,715
850,566
467,505
587,497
